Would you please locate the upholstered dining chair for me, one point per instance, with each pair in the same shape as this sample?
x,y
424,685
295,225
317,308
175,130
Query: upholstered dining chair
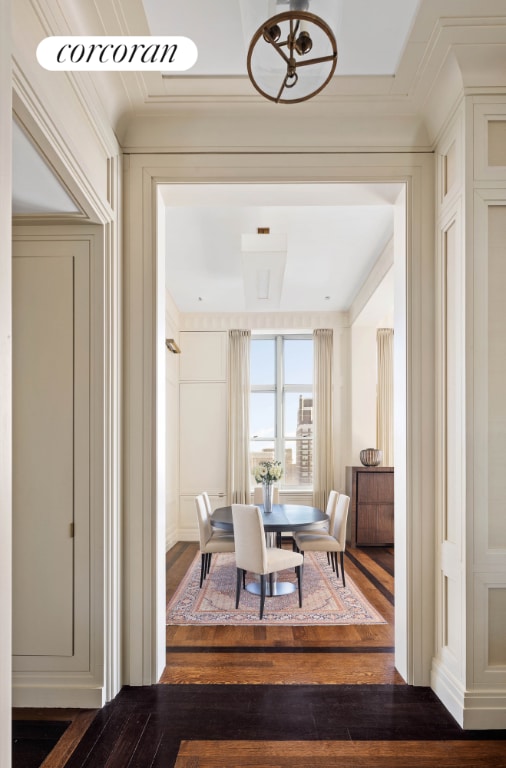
x,y
209,541
332,542
252,553
318,527
217,532
329,510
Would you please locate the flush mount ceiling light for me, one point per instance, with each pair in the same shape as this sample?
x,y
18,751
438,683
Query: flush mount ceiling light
x,y
263,263
292,56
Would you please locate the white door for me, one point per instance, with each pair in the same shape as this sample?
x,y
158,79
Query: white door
x,y
50,439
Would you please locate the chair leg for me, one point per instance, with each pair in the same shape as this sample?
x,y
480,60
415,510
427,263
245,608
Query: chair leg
x,y
243,579
209,556
279,543
238,586
299,582
271,583
342,568
203,565
262,595
332,561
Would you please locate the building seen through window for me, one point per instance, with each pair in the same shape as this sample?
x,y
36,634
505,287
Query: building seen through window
x,y
281,406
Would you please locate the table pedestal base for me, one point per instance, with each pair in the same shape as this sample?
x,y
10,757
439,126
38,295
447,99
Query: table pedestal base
x,y
278,588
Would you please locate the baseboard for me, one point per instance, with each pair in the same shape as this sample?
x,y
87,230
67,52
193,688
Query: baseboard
x,y
57,696
170,540
485,710
187,535
473,710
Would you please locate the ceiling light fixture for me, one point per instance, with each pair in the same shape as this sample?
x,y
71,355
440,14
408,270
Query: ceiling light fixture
x,y
277,60
263,263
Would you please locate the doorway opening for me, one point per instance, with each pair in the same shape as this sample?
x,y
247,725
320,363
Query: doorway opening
x,y
198,228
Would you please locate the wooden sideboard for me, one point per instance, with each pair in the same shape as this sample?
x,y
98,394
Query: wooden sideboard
x,y
371,515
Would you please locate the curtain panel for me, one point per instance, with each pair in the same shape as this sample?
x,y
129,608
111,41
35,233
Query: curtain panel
x,y
385,395
238,475
323,441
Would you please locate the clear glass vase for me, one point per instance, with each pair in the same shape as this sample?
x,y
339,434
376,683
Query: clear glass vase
x,y
268,492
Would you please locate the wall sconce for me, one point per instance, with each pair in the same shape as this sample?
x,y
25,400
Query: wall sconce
x,y
172,346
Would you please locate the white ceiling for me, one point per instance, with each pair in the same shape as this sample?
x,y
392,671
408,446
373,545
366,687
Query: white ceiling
x,y
335,233
370,34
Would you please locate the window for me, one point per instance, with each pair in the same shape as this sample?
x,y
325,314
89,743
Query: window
x,y
281,405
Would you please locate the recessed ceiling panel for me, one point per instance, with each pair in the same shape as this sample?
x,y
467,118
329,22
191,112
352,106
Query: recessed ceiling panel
x,y
370,34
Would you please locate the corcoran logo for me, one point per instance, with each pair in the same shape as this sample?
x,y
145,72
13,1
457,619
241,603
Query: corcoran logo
x,y
162,54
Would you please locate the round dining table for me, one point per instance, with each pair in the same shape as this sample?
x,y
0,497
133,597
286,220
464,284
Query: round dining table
x,y
282,518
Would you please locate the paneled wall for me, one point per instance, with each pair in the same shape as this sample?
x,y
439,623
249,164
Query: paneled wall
x,y
202,425
469,670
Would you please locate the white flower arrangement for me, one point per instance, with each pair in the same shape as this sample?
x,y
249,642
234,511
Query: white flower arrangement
x,y
268,472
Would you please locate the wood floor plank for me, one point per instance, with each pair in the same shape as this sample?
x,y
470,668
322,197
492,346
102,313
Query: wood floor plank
x,y
305,754
286,669
318,696
60,754
247,668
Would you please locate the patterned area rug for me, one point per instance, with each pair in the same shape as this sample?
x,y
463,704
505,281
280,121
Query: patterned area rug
x,y
325,600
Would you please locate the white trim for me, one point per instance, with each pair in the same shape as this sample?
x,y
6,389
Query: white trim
x,y
484,113
267,322
48,692
478,710
143,564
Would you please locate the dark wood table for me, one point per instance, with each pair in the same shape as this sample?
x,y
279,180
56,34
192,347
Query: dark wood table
x,y
283,518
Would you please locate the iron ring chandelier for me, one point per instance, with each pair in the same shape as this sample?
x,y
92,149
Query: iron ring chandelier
x,y
292,35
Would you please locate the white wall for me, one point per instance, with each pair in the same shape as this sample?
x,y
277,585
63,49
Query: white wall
x,y
363,391
367,314
5,386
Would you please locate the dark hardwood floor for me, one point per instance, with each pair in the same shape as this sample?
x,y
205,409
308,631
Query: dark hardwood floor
x,y
281,696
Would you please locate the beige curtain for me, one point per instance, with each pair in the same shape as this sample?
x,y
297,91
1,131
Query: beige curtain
x,y
323,444
385,395
239,475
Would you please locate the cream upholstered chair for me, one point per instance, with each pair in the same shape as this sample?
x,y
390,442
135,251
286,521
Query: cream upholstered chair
x,y
334,541
207,501
319,527
209,541
258,495
252,553
329,510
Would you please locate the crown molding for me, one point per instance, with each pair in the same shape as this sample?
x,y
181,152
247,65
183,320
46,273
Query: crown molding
x,y
262,321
